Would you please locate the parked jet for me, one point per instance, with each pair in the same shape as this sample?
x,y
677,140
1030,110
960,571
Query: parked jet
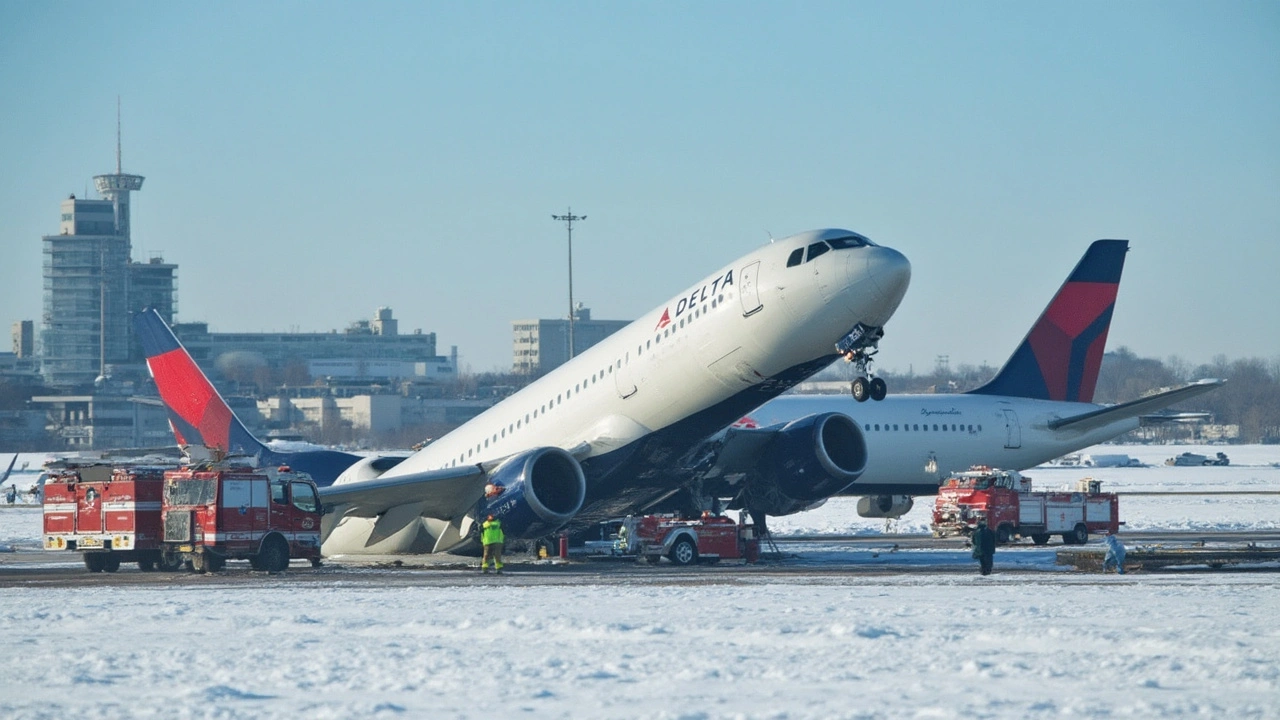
x,y
626,424
1038,407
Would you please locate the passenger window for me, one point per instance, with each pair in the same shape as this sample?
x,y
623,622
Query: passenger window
x,y
796,257
304,497
817,249
277,494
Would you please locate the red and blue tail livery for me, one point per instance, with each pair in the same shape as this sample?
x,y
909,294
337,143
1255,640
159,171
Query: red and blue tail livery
x,y
1061,356
201,418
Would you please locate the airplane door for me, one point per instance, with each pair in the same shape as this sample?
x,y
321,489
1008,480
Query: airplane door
x,y
750,289
624,379
1013,431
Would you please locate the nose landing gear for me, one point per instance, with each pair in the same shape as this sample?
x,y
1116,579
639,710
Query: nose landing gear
x,y
864,388
859,347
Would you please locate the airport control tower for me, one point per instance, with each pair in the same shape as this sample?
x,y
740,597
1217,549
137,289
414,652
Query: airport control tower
x,y
116,188
88,283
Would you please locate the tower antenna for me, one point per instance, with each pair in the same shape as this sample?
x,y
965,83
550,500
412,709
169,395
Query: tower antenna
x,y
118,170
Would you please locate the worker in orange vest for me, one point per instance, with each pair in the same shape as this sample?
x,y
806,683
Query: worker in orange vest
x,y
492,538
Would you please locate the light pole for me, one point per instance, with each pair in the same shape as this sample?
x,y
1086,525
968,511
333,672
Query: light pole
x,y
568,219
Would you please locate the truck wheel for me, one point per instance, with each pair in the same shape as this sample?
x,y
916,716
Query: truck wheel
x,y
94,562
1040,538
110,563
1080,535
1004,534
146,564
274,555
684,552
214,563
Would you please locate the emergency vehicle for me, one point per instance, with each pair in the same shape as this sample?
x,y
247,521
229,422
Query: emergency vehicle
x,y
1013,510
110,515
265,516
684,542
165,518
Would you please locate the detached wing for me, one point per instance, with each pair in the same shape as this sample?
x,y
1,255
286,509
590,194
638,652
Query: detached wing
x,y
1106,416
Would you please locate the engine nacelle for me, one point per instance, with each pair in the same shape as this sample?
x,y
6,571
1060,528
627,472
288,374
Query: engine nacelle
x,y
884,506
534,493
812,459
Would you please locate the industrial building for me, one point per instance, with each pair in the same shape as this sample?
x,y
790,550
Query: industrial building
x,y
543,345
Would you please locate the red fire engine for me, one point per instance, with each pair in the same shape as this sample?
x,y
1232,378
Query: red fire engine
x,y
685,542
111,515
267,517
162,518
1006,501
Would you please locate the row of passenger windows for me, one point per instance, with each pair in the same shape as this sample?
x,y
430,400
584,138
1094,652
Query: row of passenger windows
x,y
512,427
821,247
916,427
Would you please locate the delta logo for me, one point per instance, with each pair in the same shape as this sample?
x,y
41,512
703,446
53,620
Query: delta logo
x,y
700,295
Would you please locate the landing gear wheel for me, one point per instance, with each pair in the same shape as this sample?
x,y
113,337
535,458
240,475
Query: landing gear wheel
x,y
879,389
684,552
1040,538
861,389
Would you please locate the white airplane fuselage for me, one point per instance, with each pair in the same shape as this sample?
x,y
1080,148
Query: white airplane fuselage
x,y
915,441
650,392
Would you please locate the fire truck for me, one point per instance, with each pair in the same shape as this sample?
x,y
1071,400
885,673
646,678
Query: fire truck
x,y
265,516
684,542
1013,510
109,515
166,518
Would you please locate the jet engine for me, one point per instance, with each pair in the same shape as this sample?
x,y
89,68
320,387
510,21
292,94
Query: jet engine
x,y
534,493
810,460
884,506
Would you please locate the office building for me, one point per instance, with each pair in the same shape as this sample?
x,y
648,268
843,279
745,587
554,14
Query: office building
x,y
543,345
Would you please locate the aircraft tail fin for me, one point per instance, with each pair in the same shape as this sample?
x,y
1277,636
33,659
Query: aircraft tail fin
x,y
1060,357
197,413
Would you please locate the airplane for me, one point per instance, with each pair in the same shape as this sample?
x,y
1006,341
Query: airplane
x,y
1038,407
626,425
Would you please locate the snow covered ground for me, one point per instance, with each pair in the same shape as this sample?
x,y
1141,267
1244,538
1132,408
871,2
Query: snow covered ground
x,y
882,644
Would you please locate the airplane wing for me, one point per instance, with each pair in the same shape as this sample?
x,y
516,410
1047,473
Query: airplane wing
x,y
9,469
1135,408
443,494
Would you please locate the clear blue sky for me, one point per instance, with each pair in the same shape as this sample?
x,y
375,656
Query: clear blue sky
x,y
307,163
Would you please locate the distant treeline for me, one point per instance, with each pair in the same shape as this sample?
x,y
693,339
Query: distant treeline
x,y
1250,399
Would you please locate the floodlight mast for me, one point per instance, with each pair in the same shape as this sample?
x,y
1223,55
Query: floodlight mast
x,y
568,219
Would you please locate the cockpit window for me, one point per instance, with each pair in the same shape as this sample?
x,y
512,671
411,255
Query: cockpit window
x,y
796,256
817,249
848,241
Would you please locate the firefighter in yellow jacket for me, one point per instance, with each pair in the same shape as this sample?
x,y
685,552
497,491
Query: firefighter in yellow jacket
x,y
492,538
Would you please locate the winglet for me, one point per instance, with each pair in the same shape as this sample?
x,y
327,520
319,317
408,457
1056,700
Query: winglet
x,y
197,413
1060,357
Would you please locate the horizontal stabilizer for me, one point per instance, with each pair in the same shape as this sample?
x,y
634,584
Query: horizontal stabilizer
x,y
1105,416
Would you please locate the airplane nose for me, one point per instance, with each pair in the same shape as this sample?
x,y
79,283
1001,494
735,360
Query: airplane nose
x,y
890,271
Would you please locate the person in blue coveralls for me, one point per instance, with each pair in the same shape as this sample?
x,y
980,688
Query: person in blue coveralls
x,y
1115,554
